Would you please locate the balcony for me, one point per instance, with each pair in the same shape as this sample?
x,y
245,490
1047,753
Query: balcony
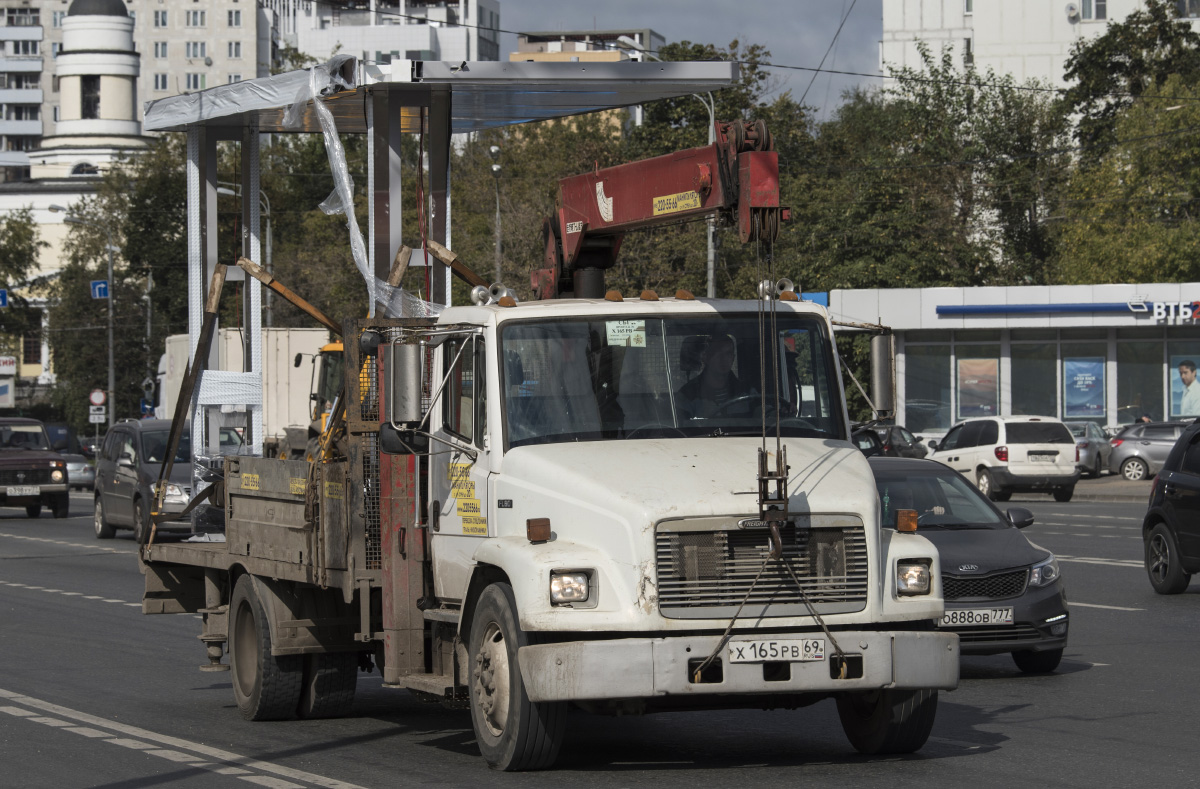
x,y
21,33
24,64
20,95
21,128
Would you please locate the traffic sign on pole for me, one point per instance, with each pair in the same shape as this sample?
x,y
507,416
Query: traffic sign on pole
x,y
97,419
99,289
97,410
3,297
97,397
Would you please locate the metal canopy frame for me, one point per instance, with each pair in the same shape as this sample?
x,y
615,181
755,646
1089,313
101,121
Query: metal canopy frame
x,y
386,102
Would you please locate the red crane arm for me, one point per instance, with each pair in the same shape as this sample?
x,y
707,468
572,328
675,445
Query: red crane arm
x,y
736,178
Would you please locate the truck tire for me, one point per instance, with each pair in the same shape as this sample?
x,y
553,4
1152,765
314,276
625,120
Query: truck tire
x,y
62,505
141,521
33,510
265,687
887,720
328,687
513,732
104,530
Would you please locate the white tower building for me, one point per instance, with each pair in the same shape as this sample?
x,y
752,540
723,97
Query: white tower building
x,y
97,72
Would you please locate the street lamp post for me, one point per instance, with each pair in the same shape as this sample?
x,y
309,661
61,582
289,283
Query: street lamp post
x,y
710,106
112,374
494,152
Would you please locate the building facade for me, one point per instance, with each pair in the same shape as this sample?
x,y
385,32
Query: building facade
x,y
1103,353
1029,39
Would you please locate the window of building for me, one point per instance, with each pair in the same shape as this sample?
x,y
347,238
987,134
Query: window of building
x,y
26,47
235,18
968,51
1095,9
1034,366
195,82
1139,381
1183,359
235,78
133,18
977,380
927,387
195,19
22,17
196,49
968,6
54,84
160,18
31,342
1188,9
89,97
85,169
55,114
160,81
22,112
1084,373
57,17
234,49
160,49
55,48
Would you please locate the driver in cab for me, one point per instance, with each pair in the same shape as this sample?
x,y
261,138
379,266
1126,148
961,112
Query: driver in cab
x,y
714,391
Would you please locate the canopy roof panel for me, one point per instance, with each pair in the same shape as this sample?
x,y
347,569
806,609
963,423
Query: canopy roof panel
x,y
484,95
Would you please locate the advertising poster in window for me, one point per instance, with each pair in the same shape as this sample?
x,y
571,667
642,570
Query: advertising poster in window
x,y
1185,389
978,387
1083,387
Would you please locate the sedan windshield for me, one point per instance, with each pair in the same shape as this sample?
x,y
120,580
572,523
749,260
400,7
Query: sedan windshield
x,y
942,500
23,437
674,377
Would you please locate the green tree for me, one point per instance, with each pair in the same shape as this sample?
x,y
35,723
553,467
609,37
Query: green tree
x,y
1109,72
1134,215
20,245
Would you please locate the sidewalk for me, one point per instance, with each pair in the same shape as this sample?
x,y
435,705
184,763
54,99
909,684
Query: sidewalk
x,y
1107,487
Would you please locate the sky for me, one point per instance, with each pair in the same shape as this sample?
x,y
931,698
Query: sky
x,y
797,32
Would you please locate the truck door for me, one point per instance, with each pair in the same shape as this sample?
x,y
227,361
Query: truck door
x,y
459,475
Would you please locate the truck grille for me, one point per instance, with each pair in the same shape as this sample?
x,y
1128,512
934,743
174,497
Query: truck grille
x,y
704,574
987,587
29,476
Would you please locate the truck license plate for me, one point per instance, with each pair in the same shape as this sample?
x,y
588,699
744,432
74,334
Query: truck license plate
x,y
784,649
976,617
23,490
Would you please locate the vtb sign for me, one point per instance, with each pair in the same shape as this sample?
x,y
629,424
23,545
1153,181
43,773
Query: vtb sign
x,y
1168,311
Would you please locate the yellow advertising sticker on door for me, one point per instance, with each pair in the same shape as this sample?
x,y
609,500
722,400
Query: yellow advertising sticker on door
x,y
474,525
469,507
249,482
670,204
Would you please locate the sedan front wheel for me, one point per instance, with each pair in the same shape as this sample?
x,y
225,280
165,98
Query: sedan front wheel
x,y
1163,564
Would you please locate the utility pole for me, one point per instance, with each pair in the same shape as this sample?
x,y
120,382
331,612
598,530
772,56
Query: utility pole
x,y
494,152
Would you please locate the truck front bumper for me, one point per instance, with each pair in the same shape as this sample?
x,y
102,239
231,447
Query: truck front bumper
x,y
632,668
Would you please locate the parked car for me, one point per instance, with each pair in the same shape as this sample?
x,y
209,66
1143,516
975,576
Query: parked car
x,y
81,475
1002,592
1094,447
898,442
867,441
1140,450
1171,528
32,474
89,446
1010,454
127,468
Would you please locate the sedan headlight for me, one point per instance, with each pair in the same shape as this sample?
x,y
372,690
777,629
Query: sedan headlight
x,y
57,475
175,492
568,587
1044,572
913,577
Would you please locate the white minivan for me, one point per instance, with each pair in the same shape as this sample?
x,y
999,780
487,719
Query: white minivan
x,y
1010,454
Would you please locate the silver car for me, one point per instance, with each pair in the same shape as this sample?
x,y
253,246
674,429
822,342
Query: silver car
x,y
1140,450
1094,447
80,473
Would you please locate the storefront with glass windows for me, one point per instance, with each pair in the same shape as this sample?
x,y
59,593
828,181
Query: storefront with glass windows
x,y
1108,354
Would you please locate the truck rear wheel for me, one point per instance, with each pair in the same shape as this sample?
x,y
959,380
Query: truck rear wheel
x,y
265,687
328,687
513,732
887,720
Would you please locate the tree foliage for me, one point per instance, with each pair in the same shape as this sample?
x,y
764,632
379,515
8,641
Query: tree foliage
x,y
20,244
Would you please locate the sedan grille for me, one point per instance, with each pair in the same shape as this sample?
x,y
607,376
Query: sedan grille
x,y
704,574
27,476
987,587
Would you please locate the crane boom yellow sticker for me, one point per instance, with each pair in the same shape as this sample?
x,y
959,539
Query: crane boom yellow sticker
x,y
333,490
297,485
249,482
670,204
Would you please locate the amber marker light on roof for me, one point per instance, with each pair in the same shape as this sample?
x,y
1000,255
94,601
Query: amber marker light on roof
x,y
906,520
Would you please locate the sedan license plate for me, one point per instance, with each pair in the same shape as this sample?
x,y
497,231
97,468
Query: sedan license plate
x,y
1042,458
23,490
977,617
784,650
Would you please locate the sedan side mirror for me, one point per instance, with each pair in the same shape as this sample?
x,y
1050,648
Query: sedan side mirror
x,y
126,459
1020,517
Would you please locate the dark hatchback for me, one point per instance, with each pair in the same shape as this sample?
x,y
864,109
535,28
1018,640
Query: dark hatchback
x,y
1171,528
1002,592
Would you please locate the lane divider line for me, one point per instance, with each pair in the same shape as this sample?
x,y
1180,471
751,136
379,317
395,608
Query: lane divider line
x,y
151,741
1105,607
86,546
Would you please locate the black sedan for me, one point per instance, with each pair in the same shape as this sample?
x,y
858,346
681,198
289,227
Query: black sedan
x,y
1002,592
1171,528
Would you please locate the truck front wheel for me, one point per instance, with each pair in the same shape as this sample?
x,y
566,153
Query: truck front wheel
x,y
513,732
887,720
265,687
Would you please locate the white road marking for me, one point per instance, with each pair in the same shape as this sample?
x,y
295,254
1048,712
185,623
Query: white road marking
x,y
18,711
152,742
1098,560
55,722
1106,607
135,605
87,546
87,732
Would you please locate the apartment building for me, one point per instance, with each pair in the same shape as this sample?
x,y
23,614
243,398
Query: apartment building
x,y
21,84
1030,39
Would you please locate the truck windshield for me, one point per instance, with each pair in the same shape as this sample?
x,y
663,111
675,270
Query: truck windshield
x,y
674,377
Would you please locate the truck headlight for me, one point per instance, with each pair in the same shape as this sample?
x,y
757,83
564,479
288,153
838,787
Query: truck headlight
x,y
568,587
913,577
57,475
1044,572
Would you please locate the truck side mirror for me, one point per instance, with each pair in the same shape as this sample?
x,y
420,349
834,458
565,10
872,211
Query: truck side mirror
x,y
393,441
883,374
297,360
402,387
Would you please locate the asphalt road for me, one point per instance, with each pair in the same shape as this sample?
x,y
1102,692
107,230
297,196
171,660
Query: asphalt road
x,y
94,694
